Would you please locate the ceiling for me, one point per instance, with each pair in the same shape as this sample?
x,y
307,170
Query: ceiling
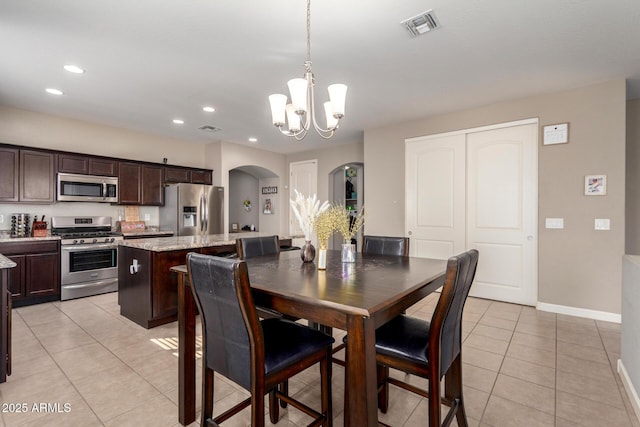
x,y
150,61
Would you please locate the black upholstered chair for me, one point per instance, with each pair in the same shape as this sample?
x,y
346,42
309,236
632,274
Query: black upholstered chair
x,y
384,245
257,355
432,349
249,247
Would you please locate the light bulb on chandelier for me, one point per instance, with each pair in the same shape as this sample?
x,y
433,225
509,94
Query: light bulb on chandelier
x,y
300,113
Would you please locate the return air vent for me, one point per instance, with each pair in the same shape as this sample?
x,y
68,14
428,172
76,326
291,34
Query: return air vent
x,y
421,24
209,128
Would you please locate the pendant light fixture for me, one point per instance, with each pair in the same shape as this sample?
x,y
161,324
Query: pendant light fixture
x,y
300,114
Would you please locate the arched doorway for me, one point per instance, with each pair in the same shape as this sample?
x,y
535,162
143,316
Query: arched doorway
x,y
346,188
254,200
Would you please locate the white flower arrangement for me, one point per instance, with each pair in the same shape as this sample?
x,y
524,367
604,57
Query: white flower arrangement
x,y
307,211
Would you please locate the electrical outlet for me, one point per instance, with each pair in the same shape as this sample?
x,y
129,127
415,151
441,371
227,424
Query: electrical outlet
x,y
602,224
554,223
147,217
1,219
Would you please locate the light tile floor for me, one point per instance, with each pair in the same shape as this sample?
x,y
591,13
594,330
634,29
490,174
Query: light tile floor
x,y
91,367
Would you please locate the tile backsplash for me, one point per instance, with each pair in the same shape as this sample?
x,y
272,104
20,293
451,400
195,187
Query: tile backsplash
x,y
72,209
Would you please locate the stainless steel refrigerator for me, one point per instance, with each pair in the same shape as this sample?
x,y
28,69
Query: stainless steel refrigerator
x,y
191,209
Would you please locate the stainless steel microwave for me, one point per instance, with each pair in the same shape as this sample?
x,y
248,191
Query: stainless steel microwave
x,y
87,188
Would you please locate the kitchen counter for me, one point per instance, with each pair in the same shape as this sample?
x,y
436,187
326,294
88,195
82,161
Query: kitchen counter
x,y
146,234
28,239
6,262
147,288
178,243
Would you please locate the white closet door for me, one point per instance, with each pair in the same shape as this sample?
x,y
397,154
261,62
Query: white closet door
x,y
478,189
435,190
502,212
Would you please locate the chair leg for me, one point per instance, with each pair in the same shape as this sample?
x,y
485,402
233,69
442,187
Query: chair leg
x,y
453,389
207,397
257,406
382,372
434,401
325,387
274,409
284,389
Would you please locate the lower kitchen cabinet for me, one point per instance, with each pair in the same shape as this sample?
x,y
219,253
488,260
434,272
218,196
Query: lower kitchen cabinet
x,y
5,325
36,277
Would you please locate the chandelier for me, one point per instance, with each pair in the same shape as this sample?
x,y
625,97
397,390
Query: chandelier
x,y
300,114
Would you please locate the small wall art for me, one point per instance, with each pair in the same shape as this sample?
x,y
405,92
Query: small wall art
x,y
267,207
595,185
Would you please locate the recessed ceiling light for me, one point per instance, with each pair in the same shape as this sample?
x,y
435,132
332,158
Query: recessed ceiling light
x,y
252,139
178,121
73,69
54,91
208,109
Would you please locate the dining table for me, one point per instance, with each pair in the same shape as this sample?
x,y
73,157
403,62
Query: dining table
x,y
356,297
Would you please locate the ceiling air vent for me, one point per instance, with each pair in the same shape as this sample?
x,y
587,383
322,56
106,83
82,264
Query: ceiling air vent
x,y
421,24
209,128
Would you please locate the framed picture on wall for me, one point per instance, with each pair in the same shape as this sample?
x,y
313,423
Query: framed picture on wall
x,y
267,206
595,185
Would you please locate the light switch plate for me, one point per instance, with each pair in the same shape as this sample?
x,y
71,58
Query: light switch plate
x,y
147,217
557,223
602,224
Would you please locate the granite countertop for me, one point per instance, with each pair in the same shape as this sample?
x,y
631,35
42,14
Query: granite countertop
x,y
6,262
177,243
149,233
28,239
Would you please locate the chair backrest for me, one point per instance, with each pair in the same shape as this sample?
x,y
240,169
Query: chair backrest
x,y
248,247
383,245
232,335
445,334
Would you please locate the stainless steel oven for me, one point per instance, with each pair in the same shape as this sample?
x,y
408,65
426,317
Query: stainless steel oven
x,y
89,258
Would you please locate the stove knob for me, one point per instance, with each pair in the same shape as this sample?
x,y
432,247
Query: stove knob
x,y
95,240
81,241
113,239
75,241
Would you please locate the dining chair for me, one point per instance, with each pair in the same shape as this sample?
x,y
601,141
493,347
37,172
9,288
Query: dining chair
x,y
378,245
430,349
385,245
248,247
258,355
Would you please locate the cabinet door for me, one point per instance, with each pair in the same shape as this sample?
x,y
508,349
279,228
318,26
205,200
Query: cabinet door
x,y
36,177
172,174
103,167
71,163
42,274
9,163
202,177
152,185
16,277
129,180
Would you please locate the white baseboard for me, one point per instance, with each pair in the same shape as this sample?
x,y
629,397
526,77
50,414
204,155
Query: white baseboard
x,y
631,390
580,312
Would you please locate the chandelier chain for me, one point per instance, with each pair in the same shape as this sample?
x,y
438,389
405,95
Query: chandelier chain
x,y
309,31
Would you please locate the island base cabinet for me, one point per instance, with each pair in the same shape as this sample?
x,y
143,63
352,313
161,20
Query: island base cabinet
x,y
147,290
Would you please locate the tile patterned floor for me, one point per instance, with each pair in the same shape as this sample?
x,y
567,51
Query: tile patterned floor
x,y
91,367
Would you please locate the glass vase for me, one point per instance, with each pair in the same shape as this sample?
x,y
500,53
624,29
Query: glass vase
x,y
307,252
322,259
348,252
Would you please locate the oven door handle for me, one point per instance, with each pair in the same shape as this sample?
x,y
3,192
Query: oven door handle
x,y
88,247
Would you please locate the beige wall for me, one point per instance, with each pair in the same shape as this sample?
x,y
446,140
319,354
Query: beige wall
x,y
633,178
32,129
328,160
578,266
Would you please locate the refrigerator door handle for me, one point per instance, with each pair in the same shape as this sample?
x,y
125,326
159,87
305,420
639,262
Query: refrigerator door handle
x,y
201,213
206,214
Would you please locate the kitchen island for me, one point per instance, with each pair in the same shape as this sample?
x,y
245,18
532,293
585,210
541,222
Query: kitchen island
x,y
147,289
5,318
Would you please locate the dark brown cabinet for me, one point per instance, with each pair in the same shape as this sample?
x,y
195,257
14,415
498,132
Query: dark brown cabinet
x,y
152,185
141,184
5,325
175,174
87,165
36,277
26,176
9,166
37,173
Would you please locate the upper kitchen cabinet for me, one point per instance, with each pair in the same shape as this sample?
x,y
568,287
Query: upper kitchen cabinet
x,y
26,176
87,165
9,166
176,174
140,184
